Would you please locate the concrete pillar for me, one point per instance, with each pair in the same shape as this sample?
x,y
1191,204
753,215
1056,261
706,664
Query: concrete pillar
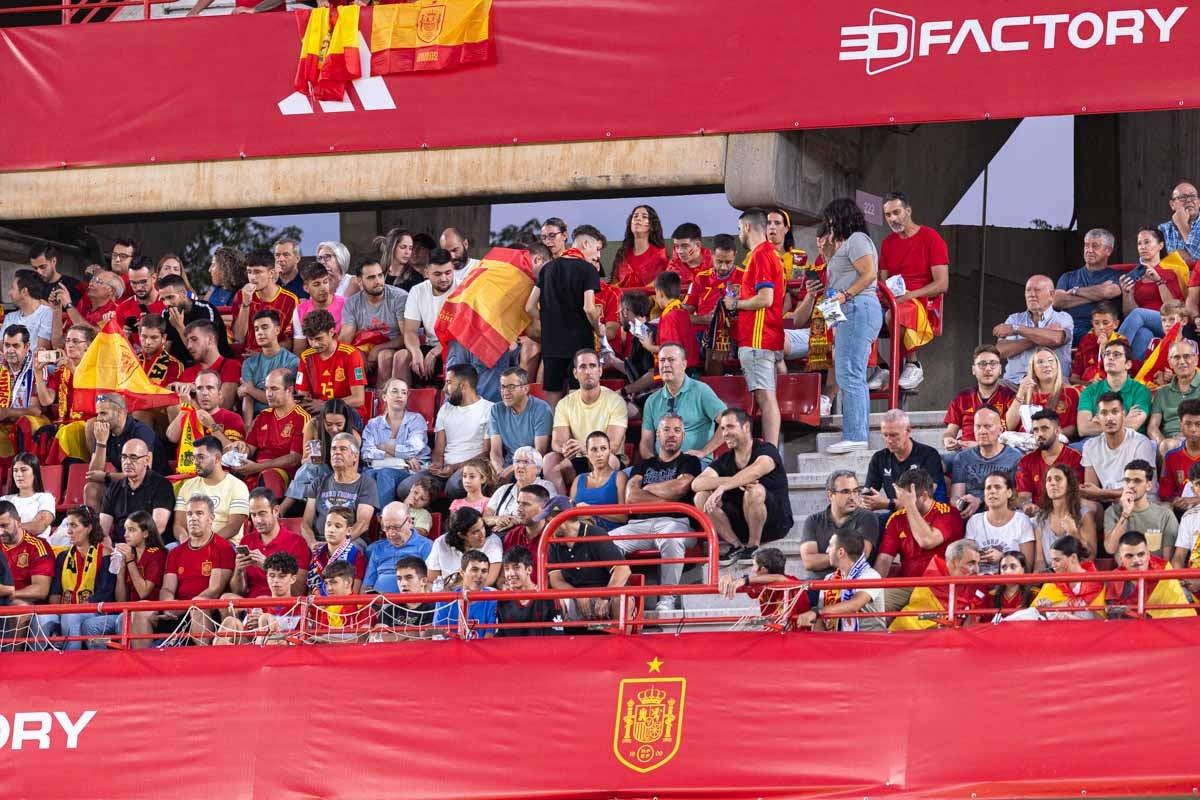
x,y
359,228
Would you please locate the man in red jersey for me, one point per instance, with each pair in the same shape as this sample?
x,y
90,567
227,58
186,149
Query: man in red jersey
x,y
200,403
198,569
759,307
260,293
31,562
688,253
200,338
143,298
919,530
987,367
249,577
919,255
276,434
329,368
704,297
1031,469
1178,462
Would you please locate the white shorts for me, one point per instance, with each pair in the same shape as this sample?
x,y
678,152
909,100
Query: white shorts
x,y
795,342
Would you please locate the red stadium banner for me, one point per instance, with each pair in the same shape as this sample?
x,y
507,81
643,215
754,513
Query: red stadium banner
x,y
1039,710
602,68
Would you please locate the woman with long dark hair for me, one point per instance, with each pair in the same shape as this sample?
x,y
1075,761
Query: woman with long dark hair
x,y
81,575
1068,559
335,417
34,504
853,267
643,252
1144,290
397,260
1011,597
1060,513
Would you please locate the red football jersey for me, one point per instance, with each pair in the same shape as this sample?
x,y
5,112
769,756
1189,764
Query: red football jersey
x,y
964,405
675,325
638,271
687,274
1176,464
708,289
152,564
762,328
284,303
1031,470
898,538
913,257
161,368
331,377
285,541
1067,407
193,566
230,370
275,436
28,557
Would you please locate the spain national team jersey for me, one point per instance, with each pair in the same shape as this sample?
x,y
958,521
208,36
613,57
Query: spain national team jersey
x,y
29,557
675,325
708,288
62,383
961,411
1176,464
331,377
1031,470
230,370
762,328
193,567
898,539
275,436
284,303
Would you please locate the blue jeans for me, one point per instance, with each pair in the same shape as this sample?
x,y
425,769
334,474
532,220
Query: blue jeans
x,y
64,625
386,481
852,341
1140,327
100,626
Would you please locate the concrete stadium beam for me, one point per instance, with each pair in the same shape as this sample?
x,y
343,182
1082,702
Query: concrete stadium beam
x,y
430,176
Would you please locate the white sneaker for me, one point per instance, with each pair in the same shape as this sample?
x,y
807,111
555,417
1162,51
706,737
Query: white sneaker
x,y
826,405
845,446
878,379
912,375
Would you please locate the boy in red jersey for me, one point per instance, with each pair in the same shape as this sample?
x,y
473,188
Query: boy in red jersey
x,y
759,307
1087,365
329,368
674,322
260,293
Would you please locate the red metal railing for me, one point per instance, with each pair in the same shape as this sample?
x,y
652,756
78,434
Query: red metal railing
x,y
704,529
69,9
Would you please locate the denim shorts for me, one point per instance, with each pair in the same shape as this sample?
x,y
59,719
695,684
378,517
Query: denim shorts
x,y
759,367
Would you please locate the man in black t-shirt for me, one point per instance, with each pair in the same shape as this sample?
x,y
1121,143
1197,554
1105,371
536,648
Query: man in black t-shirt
x,y
518,577
407,620
745,491
182,311
665,478
565,300
139,488
899,455
598,547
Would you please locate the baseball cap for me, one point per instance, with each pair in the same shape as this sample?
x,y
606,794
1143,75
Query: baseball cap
x,y
553,506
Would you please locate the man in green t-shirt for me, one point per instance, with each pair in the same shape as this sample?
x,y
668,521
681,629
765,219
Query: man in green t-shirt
x,y
1118,358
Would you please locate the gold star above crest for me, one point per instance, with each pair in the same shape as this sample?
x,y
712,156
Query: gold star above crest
x,y
655,665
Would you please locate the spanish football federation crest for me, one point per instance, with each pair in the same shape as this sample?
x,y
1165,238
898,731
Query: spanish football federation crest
x,y
649,724
429,23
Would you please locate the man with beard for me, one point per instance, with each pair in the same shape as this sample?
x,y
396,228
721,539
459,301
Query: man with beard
x,y
26,292
229,495
564,299
274,438
425,302
249,578
745,491
18,398
204,348
347,488
843,514
1078,291
704,297
181,311
44,260
459,248
664,478
260,293
1031,469
200,407
373,320
144,298
105,436
919,255
329,368
139,488
589,408
460,433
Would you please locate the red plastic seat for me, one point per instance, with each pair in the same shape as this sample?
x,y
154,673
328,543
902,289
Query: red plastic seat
x,y
435,527
425,403
536,390
799,396
52,480
732,391
291,524
76,481
368,407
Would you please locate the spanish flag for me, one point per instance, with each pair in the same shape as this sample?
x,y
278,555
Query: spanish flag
x,y
110,365
935,600
1167,592
427,35
1158,359
329,57
1089,596
1175,265
486,312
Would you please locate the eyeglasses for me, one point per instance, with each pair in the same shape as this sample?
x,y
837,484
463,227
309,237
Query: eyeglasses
x,y
400,527
847,492
325,257
127,256
987,364
76,341
129,457
511,387
1186,197
550,237
1182,356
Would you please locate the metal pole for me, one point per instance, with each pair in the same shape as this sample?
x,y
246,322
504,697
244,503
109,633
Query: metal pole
x,y
983,250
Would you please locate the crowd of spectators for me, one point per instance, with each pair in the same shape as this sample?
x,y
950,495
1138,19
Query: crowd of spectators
x,y
295,461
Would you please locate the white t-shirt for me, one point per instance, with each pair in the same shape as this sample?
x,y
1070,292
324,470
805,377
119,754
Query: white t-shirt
x,y
1110,464
28,507
875,606
424,307
503,501
1010,536
466,429
1189,525
39,323
448,560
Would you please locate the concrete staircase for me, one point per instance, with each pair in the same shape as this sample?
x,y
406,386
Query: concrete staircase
x,y
806,491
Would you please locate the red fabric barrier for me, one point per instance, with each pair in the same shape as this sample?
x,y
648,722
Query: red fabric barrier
x,y
208,88
1030,710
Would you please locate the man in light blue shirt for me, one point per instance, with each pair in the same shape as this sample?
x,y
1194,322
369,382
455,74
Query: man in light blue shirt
x,y
271,355
401,540
517,421
1039,325
1181,231
1079,290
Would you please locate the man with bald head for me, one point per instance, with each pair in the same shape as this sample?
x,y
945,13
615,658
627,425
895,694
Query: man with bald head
x,y
139,489
103,292
1039,325
1181,231
972,467
400,540
459,247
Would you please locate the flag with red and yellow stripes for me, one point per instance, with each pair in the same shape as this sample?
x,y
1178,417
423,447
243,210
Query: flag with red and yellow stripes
x,y
329,56
486,312
428,35
110,365
1158,359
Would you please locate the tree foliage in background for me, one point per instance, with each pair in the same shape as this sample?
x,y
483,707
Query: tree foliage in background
x,y
507,236
240,233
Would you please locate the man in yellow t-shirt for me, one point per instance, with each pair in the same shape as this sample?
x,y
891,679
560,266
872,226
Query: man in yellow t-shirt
x,y
589,408
229,493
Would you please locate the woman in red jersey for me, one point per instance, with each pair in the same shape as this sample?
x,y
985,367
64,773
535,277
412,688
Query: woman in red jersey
x,y
643,253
